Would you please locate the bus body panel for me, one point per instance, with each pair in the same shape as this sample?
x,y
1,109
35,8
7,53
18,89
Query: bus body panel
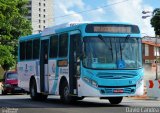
x,y
26,70
55,75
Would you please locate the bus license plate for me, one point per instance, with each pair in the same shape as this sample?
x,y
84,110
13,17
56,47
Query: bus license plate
x,y
118,91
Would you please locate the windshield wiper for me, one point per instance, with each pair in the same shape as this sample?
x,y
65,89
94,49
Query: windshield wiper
x,y
110,48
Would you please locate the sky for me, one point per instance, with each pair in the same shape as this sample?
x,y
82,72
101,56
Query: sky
x,y
106,11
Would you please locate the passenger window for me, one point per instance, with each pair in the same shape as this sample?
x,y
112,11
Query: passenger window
x,y
53,46
22,50
36,47
29,50
63,45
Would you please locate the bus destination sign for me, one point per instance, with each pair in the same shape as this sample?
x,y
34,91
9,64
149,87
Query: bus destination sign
x,y
98,28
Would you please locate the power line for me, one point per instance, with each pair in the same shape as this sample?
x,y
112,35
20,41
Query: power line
x,y
86,11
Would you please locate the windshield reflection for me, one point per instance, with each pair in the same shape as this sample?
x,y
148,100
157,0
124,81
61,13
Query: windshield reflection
x,y
112,53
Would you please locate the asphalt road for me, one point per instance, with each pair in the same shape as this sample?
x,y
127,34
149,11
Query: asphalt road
x,y
23,104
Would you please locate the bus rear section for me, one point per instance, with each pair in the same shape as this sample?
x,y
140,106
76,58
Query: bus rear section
x,y
101,60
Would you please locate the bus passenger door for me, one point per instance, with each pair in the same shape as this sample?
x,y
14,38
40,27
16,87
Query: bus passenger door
x,y
74,62
44,66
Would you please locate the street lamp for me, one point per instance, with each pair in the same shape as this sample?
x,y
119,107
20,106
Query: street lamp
x,y
144,17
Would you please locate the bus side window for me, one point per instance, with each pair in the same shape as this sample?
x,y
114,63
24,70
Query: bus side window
x,y
53,46
36,48
29,50
22,50
63,45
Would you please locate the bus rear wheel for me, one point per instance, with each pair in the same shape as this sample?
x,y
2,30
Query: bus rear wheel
x,y
33,90
115,100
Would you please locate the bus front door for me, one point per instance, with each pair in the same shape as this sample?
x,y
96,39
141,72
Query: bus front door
x,y
44,86
74,62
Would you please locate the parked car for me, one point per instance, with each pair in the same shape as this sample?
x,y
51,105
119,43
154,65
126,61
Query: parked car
x,y
10,83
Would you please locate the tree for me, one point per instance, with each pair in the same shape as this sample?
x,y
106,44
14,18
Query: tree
x,y
155,21
13,24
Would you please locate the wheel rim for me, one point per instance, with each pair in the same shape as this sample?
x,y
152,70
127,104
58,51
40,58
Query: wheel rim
x,y
66,92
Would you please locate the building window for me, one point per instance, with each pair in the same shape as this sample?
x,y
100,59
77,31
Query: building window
x,y
39,15
39,21
44,16
30,2
44,4
39,4
44,21
44,10
146,50
39,26
29,14
29,8
44,27
156,51
39,9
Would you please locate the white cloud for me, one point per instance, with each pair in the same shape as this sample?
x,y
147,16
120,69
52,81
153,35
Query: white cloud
x,y
63,8
131,11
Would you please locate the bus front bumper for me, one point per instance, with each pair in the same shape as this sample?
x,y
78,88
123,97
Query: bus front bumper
x,y
87,90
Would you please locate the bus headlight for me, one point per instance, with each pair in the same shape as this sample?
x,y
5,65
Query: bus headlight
x,y
91,82
139,82
94,83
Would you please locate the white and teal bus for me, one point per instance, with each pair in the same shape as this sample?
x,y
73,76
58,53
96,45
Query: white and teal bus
x,y
77,60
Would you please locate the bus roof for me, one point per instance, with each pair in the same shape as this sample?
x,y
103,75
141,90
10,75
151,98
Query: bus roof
x,y
34,36
65,27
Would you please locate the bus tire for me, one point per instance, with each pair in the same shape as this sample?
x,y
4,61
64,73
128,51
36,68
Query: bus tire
x,y
65,95
43,97
33,90
78,98
115,100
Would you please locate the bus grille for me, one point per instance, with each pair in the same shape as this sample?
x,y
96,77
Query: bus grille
x,y
115,75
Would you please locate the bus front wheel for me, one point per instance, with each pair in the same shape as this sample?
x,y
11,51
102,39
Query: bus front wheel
x,y
115,100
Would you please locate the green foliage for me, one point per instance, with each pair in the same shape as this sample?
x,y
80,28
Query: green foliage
x,y
13,24
155,21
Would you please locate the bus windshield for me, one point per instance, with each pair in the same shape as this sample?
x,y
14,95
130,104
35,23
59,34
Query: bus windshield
x,y
112,53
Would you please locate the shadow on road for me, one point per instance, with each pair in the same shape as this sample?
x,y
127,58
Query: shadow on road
x,y
52,103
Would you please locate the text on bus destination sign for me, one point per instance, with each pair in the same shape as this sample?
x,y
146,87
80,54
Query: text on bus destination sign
x,y
114,29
